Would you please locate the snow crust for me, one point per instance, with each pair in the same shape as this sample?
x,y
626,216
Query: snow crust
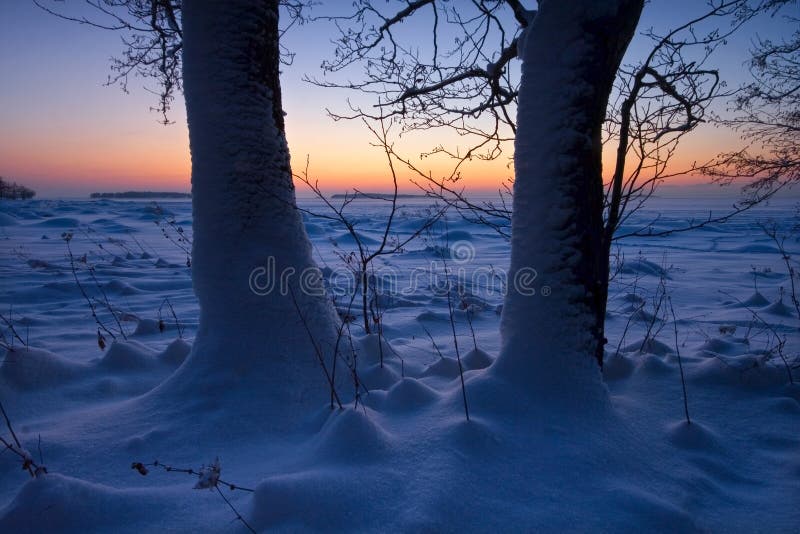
x,y
405,459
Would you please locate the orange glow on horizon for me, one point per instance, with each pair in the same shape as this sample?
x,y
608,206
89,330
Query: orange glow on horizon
x,y
340,158
63,132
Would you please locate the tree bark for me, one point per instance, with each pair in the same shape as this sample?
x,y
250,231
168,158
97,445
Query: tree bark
x,y
570,53
246,229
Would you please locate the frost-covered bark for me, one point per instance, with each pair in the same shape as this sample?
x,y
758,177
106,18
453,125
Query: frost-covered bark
x,y
242,196
570,54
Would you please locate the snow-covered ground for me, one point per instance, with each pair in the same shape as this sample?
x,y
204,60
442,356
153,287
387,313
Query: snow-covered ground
x,y
406,458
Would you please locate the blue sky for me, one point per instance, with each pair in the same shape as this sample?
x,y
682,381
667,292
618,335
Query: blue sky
x,y
63,132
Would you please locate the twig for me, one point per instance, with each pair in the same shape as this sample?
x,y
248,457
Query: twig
x,y
435,346
781,341
453,328
67,237
174,316
467,309
13,330
235,511
317,350
27,462
106,302
214,483
680,362
787,260
138,466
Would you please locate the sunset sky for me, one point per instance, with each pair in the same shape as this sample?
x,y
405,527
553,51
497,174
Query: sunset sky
x,y
63,133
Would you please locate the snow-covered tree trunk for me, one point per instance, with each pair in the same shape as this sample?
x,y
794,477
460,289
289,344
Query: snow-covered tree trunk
x,y
552,323
246,231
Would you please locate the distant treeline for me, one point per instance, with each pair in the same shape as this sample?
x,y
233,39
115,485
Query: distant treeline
x,y
15,191
376,195
142,194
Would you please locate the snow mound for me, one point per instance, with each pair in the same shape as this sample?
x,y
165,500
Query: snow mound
x,y
128,356
31,368
456,235
636,506
59,222
371,347
111,226
649,346
119,287
643,316
780,309
352,436
617,366
8,220
443,368
643,267
756,300
387,301
281,502
429,315
375,377
56,503
477,359
474,437
691,436
746,369
175,353
409,395
140,443
346,239
727,346
146,327
653,365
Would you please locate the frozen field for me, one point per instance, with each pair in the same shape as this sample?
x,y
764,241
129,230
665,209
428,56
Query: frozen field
x,y
406,459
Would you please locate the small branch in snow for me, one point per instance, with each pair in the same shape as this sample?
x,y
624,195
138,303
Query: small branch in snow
x,y
347,318
161,326
360,262
680,361
781,340
141,468
14,334
433,342
28,464
451,311
317,350
772,233
174,233
208,477
235,511
101,341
